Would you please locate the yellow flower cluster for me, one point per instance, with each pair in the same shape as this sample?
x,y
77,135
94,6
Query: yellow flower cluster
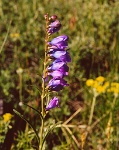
x,y
15,35
7,117
102,86
114,87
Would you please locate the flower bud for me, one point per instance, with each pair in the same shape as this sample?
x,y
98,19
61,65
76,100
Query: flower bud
x,y
53,18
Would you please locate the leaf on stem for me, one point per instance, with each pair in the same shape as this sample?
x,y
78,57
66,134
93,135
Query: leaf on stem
x,y
35,110
20,115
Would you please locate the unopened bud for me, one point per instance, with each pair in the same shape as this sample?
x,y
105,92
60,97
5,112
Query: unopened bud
x,y
53,18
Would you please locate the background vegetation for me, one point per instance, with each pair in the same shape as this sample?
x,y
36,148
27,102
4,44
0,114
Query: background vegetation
x,y
93,29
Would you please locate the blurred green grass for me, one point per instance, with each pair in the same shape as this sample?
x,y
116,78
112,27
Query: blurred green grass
x,y
92,27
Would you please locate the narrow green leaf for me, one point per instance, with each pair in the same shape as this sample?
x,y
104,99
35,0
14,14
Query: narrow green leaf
x,y
6,37
35,110
18,113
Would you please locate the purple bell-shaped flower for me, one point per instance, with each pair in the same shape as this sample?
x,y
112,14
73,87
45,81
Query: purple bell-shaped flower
x,y
54,102
57,84
54,27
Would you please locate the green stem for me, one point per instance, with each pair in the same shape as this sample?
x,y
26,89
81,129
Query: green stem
x,y
109,124
92,110
20,84
84,136
43,86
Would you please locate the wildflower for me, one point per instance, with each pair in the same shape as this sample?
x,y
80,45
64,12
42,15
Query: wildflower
x,y
115,84
59,42
54,26
60,39
100,89
7,117
100,79
54,102
57,84
58,74
53,18
95,84
116,91
61,55
58,69
14,35
114,88
57,64
106,84
90,82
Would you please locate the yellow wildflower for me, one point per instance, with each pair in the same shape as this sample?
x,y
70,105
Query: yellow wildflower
x,y
89,82
100,79
115,84
95,84
106,84
116,91
7,117
14,35
114,88
111,89
100,89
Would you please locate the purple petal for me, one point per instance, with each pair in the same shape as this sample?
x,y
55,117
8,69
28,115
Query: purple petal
x,y
54,102
60,45
65,58
59,39
61,55
58,74
54,26
51,51
55,66
58,54
64,68
59,66
57,84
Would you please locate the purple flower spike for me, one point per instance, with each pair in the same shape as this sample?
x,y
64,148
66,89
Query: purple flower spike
x,y
54,27
54,102
57,84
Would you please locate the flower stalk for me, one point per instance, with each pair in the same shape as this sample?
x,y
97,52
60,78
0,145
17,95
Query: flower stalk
x,y
43,95
55,71
109,128
92,109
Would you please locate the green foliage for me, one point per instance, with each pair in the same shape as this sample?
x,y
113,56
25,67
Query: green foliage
x,y
4,127
24,141
20,115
